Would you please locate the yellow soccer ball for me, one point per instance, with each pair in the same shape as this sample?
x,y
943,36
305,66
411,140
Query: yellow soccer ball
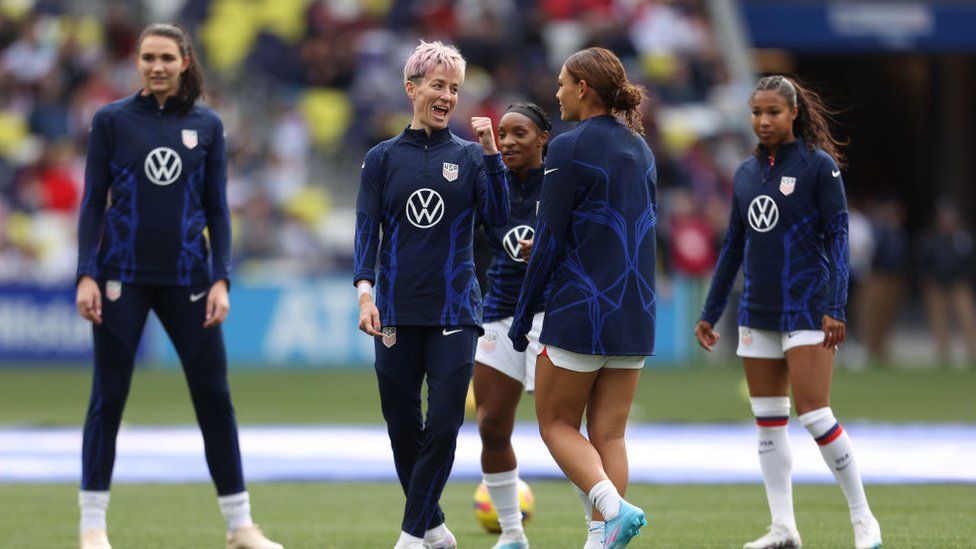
x,y
487,516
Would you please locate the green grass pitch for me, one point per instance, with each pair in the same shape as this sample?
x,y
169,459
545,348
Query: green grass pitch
x,y
331,515
352,516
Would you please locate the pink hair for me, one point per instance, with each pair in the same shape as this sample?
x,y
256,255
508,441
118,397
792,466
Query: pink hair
x,y
430,54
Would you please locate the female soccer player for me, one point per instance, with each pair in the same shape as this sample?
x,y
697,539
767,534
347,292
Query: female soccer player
x,y
164,161
595,239
501,372
425,188
788,228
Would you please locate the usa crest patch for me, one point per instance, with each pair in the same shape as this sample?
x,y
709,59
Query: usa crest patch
x,y
786,185
190,138
450,171
113,290
389,336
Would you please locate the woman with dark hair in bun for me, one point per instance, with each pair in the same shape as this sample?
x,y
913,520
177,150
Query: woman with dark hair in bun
x,y
595,249
500,372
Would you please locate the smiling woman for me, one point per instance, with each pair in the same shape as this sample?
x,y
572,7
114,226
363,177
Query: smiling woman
x,y
164,161
423,191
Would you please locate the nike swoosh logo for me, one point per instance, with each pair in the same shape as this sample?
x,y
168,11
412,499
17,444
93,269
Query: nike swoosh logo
x,y
766,451
549,171
196,297
452,332
835,173
844,467
791,334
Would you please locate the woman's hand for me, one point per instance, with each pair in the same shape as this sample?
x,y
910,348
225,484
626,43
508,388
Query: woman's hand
x,y
706,336
369,316
834,332
218,304
525,249
482,126
88,299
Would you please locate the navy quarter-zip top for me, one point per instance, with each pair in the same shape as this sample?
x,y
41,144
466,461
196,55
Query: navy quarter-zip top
x,y
507,269
788,231
163,174
594,244
425,192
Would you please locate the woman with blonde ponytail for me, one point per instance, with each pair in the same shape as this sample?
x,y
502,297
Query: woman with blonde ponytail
x,y
595,248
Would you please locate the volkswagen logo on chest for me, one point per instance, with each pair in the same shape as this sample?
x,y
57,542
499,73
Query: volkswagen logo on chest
x,y
425,208
163,166
511,240
763,213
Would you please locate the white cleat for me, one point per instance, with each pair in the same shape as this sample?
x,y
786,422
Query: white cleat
x,y
514,539
445,540
250,537
95,538
778,537
867,533
411,545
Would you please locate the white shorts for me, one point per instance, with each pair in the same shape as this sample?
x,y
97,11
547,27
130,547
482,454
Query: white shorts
x,y
495,350
755,343
580,362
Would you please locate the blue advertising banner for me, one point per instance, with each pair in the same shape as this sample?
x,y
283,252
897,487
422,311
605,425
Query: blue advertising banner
x,y
865,26
40,324
315,324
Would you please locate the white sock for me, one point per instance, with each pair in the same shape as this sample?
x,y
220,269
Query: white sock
x,y
594,537
94,506
775,456
407,540
236,509
587,504
503,491
606,499
838,453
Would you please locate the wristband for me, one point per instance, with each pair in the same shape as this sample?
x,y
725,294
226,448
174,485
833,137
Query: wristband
x,y
364,287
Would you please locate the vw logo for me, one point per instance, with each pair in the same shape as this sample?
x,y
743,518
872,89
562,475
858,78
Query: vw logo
x,y
163,166
424,208
511,240
763,214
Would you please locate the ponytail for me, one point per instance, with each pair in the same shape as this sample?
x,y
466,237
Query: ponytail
x,y
813,116
605,74
191,81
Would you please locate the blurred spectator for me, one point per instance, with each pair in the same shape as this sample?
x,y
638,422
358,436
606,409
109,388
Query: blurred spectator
x,y
946,264
306,87
884,287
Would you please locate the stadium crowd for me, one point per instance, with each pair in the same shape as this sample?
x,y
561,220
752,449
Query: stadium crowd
x,y
305,87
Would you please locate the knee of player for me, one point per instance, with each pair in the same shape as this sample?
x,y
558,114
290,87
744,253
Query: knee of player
x,y
602,434
494,431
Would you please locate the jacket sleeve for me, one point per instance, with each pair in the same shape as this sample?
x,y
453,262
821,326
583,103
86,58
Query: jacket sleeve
x,y
729,261
556,202
369,208
98,180
832,205
215,204
492,191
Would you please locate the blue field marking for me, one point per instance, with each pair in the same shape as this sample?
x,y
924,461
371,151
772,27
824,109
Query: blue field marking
x,y
659,453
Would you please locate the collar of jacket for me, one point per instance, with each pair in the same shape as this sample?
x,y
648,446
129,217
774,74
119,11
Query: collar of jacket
x,y
786,151
148,103
421,135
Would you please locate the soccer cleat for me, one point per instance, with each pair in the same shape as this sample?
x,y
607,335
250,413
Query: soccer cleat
x,y
444,541
594,538
867,533
778,537
514,539
250,537
627,524
94,538
411,545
